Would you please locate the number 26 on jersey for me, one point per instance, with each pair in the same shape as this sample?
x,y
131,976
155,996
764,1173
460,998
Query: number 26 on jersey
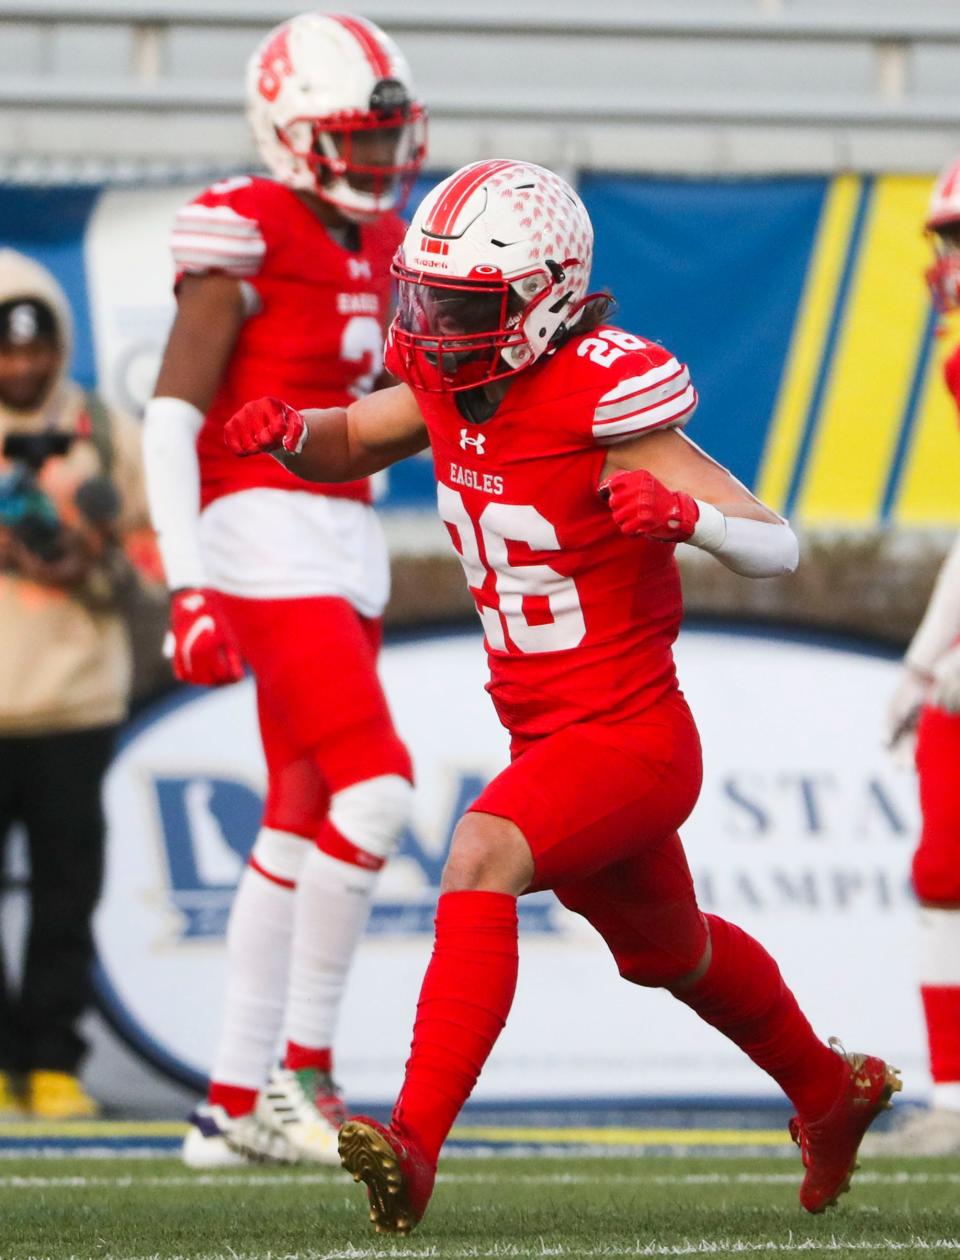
x,y
537,607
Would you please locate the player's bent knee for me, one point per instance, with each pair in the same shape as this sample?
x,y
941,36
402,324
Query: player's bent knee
x,y
665,971
487,853
658,965
373,814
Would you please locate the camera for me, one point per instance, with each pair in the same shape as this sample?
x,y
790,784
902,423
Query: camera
x,y
24,508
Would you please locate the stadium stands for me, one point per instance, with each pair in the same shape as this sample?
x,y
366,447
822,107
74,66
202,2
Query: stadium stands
x,y
117,88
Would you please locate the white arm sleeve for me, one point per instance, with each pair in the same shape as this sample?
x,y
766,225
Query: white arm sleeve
x,y
941,622
170,428
751,548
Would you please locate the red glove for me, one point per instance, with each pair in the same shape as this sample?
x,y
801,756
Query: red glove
x,y
265,425
643,505
205,651
951,373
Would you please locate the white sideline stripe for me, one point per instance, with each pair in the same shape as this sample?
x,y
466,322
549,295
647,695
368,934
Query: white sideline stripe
x,y
180,1181
541,1250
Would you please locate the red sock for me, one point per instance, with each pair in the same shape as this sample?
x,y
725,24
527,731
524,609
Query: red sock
x,y
466,996
299,1057
941,1007
236,1100
743,995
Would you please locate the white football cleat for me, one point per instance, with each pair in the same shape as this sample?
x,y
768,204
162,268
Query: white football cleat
x,y
252,1140
920,1132
205,1143
287,1106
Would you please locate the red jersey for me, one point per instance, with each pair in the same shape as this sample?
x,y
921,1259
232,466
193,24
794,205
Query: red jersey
x,y
579,619
314,336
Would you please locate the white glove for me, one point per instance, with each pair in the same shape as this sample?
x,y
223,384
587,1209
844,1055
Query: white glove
x,y
903,712
945,688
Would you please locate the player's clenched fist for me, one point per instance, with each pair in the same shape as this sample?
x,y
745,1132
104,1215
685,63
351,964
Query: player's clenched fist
x,y
202,645
265,425
643,505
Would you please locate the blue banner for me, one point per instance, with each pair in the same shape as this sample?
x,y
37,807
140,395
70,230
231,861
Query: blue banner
x,y
798,304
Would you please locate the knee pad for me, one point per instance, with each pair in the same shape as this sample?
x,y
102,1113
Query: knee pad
x,y
372,814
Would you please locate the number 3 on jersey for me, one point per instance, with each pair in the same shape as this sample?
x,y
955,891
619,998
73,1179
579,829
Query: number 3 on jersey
x,y
513,597
362,343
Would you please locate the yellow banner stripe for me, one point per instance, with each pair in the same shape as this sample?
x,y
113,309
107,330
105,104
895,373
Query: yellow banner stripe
x,y
930,488
513,1134
877,350
623,1137
808,342
106,1129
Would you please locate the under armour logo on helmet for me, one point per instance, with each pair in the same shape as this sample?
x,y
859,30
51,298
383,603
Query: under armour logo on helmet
x,y
466,439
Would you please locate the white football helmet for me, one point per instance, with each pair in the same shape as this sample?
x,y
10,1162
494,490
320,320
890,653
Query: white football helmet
x,y
494,266
943,221
330,100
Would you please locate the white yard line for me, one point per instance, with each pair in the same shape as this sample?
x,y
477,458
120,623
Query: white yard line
x,y
544,1251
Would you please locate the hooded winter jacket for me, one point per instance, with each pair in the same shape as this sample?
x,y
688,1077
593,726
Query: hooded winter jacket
x,y
64,660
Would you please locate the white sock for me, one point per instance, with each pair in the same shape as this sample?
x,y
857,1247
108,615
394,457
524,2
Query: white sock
x,y
939,961
333,903
259,937
946,1095
331,910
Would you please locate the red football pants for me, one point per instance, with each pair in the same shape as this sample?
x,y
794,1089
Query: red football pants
x,y
599,805
936,878
323,717
936,863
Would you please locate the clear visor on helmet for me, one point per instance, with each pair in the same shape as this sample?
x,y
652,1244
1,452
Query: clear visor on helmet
x,y
451,334
376,153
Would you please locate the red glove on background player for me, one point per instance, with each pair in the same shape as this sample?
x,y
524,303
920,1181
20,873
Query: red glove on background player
x,y
642,505
267,424
205,651
951,373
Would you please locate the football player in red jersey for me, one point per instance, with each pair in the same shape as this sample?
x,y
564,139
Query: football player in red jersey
x,y
926,707
283,286
565,480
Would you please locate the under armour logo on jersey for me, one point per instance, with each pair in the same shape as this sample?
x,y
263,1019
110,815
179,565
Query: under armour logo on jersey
x,y
359,268
476,442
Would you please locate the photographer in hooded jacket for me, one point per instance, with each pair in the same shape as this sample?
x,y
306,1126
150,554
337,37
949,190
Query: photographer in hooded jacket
x,y
73,534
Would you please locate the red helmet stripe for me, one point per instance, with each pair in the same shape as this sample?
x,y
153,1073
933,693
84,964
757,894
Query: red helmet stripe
x,y
444,214
950,183
371,46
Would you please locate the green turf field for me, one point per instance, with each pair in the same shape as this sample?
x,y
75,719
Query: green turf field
x,y
497,1207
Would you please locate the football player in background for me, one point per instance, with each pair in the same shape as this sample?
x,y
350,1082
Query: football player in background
x,y
283,286
926,706
565,481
